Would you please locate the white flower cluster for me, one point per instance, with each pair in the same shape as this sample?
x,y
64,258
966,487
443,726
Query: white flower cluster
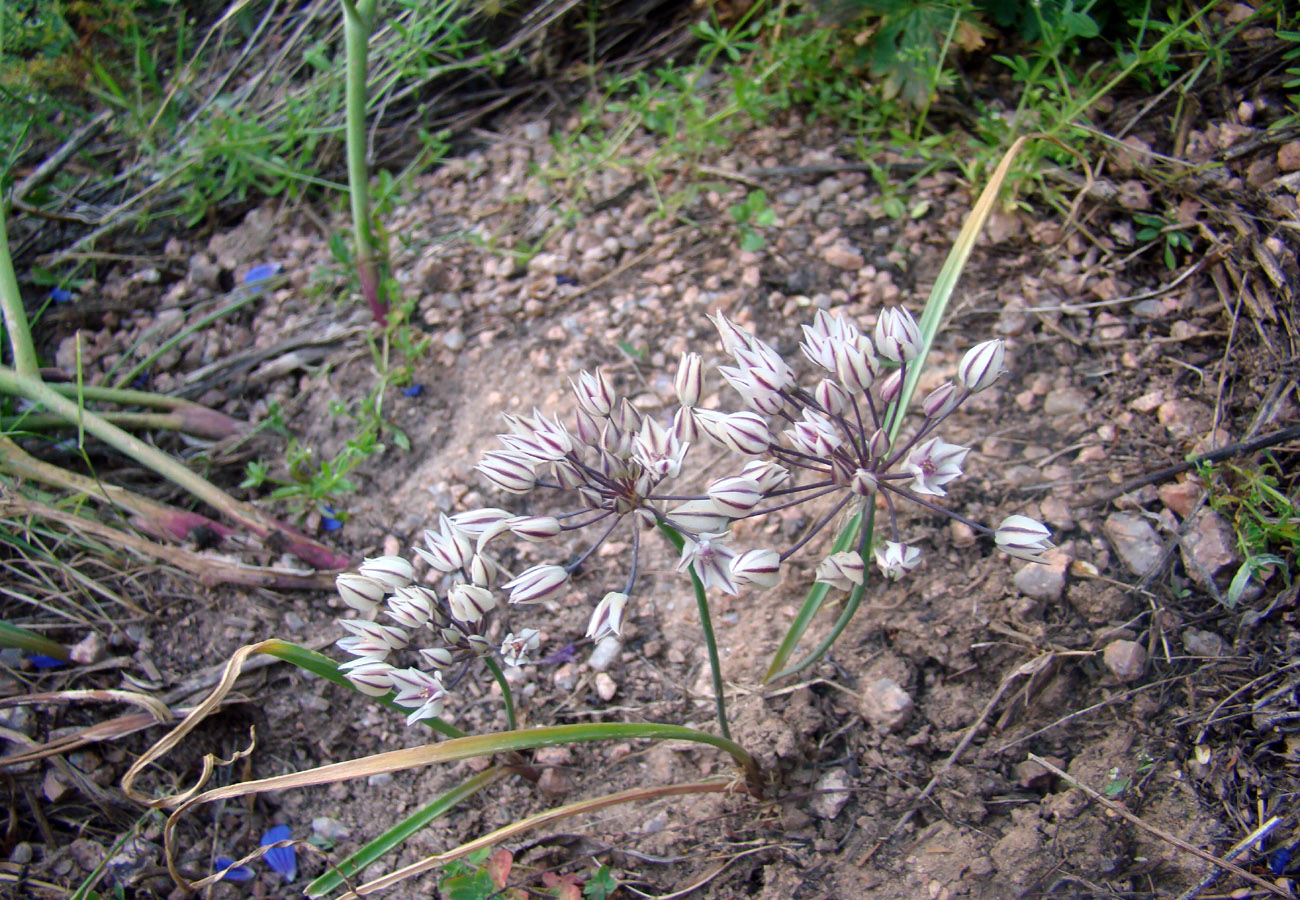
x,y
836,434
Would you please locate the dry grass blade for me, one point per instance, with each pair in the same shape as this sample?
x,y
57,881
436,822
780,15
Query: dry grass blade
x,y
158,710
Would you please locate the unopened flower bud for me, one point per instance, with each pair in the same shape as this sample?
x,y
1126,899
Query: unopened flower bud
x,y
509,471
896,559
842,570
607,618
761,568
594,392
1023,538
742,432
690,379
891,386
831,397
372,678
470,603
389,636
855,366
879,444
684,429
863,483
897,336
735,495
394,571
768,474
698,517
535,528
438,657
412,606
940,401
536,584
982,365
360,592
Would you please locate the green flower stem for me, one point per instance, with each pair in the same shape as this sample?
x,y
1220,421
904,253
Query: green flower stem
x,y
811,605
706,626
323,666
14,636
506,694
349,868
358,21
846,615
289,540
139,421
11,301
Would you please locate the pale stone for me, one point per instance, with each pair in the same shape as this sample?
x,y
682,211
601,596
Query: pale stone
x,y
1209,546
1135,541
886,705
831,793
1126,659
843,257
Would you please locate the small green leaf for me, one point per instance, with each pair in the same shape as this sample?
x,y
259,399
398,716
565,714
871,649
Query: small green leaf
x,y
751,241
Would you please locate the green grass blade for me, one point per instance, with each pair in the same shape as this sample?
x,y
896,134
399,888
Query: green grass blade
x,y
14,636
399,833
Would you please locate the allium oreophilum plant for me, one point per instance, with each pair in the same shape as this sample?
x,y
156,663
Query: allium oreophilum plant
x,y
837,439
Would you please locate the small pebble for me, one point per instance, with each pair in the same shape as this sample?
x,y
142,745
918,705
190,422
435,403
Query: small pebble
x,y
604,653
329,829
886,705
831,794
1126,659
606,687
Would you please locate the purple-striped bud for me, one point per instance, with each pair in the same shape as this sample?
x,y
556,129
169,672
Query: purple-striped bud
x,y
535,528
607,618
483,571
594,392
684,430
448,549
412,606
1023,538
896,559
832,397
760,568
897,336
863,483
389,636
372,678
733,336
587,427
419,690
982,365
879,444
735,495
891,386
438,657
475,521
509,471
698,517
536,584
360,592
626,417
768,474
690,379
470,603
393,571
842,570
940,401
742,432
855,366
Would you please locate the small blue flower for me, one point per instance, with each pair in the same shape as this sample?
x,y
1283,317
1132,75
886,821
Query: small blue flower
x,y
238,873
328,520
414,390
262,272
41,661
60,295
283,860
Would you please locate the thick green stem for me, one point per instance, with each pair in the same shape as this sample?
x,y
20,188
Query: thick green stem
x,y
506,694
15,318
358,20
706,626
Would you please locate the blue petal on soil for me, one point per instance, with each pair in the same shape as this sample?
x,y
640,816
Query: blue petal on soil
x,y
238,873
281,859
1280,860
565,279
60,295
414,390
262,272
41,661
